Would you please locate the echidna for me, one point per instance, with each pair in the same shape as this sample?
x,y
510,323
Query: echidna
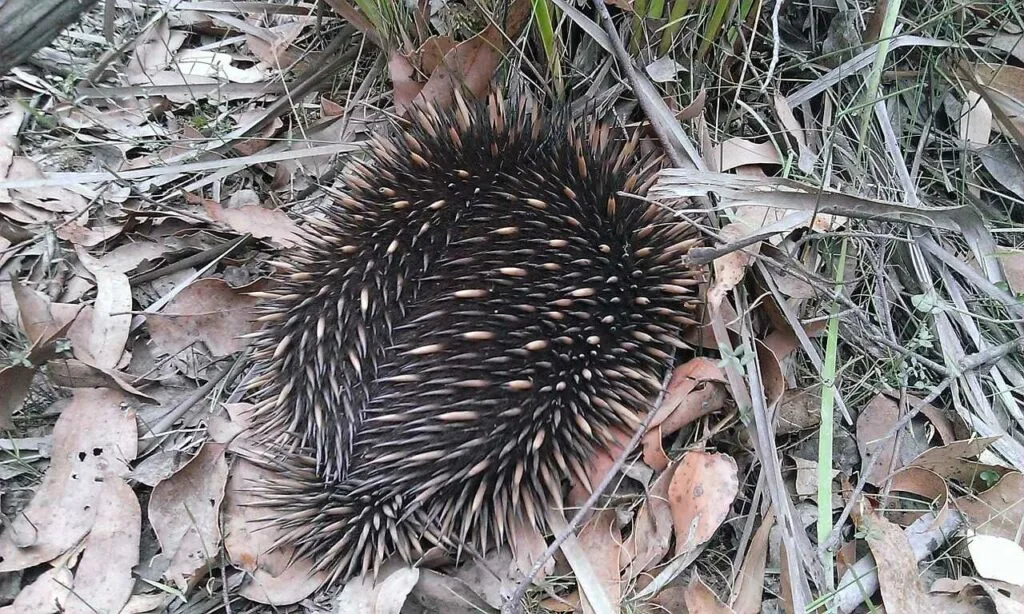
x,y
466,324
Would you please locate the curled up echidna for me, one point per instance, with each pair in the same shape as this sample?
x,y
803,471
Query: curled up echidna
x,y
466,324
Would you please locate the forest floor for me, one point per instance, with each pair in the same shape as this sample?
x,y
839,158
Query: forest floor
x,y
848,432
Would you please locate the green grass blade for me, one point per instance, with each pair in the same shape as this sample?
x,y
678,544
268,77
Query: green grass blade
x,y
827,425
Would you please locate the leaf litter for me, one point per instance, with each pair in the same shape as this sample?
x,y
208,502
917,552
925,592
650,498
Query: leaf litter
x,y
145,191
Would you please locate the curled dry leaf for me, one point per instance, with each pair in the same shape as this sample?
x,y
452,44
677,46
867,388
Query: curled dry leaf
x,y
208,311
694,390
737,152
93,441
703,487
923,483
185,513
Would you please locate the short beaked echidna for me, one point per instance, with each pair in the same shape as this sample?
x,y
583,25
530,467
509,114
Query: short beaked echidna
x,y
465,325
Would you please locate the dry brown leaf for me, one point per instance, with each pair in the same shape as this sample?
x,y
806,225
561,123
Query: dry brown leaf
x,y
153,51
275,579
730,268
40,203
975,126
771,354
126,258
1007,598
588,579
651,538
737,152
10,123
953,461
74,232
491,577
897,571
471,64
403,81
601,540
936,416
262,223
71,373
260,140
103,577
874,422
386,595
1012,263
1003,78
41,321
789,122
93,441
798,409
432,52
207,311
999,510
598,465
275,51
185,513
748,591
147,603
684,403
436,592
354,17
921,482
527,545
702,600
46,595
703,488
111,313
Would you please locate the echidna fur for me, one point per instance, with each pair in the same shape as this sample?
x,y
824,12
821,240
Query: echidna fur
x,y
465,325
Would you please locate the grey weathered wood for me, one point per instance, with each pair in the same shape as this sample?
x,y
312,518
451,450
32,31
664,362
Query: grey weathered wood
x,y
29,25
